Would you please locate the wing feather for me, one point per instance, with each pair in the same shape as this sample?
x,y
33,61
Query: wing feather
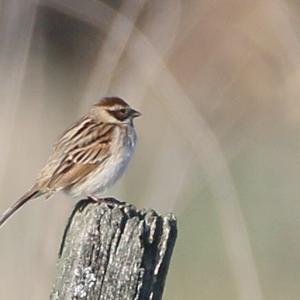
x,y
81,149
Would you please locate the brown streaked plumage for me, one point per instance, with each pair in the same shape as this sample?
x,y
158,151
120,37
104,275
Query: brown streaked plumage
x,y
90,156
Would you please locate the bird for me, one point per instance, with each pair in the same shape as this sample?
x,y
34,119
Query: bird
x,y
89,157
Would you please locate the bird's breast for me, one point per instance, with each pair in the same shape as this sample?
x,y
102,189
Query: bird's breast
x,y
103,177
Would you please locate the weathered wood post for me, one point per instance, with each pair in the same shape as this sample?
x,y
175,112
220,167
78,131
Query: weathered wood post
x,y
114,252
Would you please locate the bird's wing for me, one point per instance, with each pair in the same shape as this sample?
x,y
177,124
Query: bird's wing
x,y
80,150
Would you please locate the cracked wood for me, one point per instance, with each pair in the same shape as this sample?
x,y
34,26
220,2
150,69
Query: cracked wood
x,y
114,252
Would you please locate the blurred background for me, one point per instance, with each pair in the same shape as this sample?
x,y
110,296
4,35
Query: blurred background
x,y
218,83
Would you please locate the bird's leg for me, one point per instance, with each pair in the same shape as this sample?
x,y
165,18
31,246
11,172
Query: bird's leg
x,y
109,200
95,199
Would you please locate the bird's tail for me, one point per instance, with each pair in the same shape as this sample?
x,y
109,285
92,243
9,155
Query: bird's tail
x,y
11,210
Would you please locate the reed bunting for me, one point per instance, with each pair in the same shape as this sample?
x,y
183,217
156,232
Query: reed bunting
x,y
90,156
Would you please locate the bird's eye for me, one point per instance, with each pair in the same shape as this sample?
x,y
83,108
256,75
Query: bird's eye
x,y
120,114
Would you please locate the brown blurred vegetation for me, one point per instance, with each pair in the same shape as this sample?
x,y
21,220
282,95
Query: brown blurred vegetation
x,y
218,83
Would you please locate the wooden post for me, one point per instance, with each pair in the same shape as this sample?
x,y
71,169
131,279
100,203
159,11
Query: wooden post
x,y
114,252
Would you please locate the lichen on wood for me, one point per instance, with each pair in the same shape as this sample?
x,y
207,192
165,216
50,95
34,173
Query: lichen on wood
x,y
112,251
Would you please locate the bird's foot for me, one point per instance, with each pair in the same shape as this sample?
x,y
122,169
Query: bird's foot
x,y
95,199
109,201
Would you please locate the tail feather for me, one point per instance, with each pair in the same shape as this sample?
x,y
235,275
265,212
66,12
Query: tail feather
x,y
11,210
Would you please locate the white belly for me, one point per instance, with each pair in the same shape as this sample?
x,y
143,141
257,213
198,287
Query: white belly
x,y
103,178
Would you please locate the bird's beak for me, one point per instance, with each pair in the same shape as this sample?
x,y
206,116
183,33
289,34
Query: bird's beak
x,y
135,113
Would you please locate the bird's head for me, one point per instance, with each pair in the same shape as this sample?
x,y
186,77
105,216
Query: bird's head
x,y
114,110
